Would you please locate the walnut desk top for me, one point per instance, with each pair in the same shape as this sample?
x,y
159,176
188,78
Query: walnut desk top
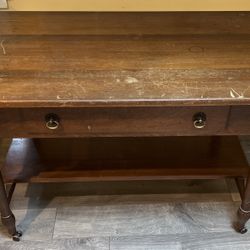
x,y
124,59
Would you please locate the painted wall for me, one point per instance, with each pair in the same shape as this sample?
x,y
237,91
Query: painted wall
x,y
3,4
128,5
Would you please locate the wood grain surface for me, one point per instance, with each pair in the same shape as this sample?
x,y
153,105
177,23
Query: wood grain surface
x,y
132,23
106,63
111,122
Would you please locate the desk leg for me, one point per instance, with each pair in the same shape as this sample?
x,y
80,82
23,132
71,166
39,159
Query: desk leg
x,y
244,210
7,217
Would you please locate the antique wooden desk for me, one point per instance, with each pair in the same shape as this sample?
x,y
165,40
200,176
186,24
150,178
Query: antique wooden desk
x,y
155,95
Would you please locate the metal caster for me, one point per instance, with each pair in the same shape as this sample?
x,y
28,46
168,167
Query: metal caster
x,y
17,236
243,230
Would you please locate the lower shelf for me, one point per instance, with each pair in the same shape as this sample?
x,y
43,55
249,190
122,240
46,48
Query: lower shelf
x,y
117,159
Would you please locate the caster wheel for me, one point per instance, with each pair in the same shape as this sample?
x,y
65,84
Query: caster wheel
x,y
243,230
17,236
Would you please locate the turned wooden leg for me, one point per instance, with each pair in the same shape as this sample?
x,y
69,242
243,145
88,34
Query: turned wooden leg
x,y
244,210
7,217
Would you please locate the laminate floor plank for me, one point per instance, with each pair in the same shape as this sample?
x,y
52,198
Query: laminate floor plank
x,y
36,224
144,219
37,196
69,244
233,189
189,214
162,242
214,241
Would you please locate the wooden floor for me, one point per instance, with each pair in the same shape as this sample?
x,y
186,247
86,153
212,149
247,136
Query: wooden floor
x,y
128,216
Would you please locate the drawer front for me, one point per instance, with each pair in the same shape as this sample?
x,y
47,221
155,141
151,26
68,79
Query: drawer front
x,y
136,121
239,121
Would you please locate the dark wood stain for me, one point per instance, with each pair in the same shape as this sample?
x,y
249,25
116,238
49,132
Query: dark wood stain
x,y
128,75
62,160
94,122
138,59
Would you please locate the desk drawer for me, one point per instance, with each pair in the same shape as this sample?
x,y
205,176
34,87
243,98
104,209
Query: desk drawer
x,y
133,121
239,122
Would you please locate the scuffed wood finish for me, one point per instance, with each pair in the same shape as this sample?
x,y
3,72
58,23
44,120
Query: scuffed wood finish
x,y
126,62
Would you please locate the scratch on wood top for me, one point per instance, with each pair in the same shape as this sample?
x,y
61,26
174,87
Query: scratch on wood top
x,y
130,79
2,46
235,94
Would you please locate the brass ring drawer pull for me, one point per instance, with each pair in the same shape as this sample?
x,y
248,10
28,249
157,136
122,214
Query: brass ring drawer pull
x,y
52,121
199,120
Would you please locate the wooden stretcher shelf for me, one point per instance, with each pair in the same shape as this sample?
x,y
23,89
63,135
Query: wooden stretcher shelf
x,y
107,159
